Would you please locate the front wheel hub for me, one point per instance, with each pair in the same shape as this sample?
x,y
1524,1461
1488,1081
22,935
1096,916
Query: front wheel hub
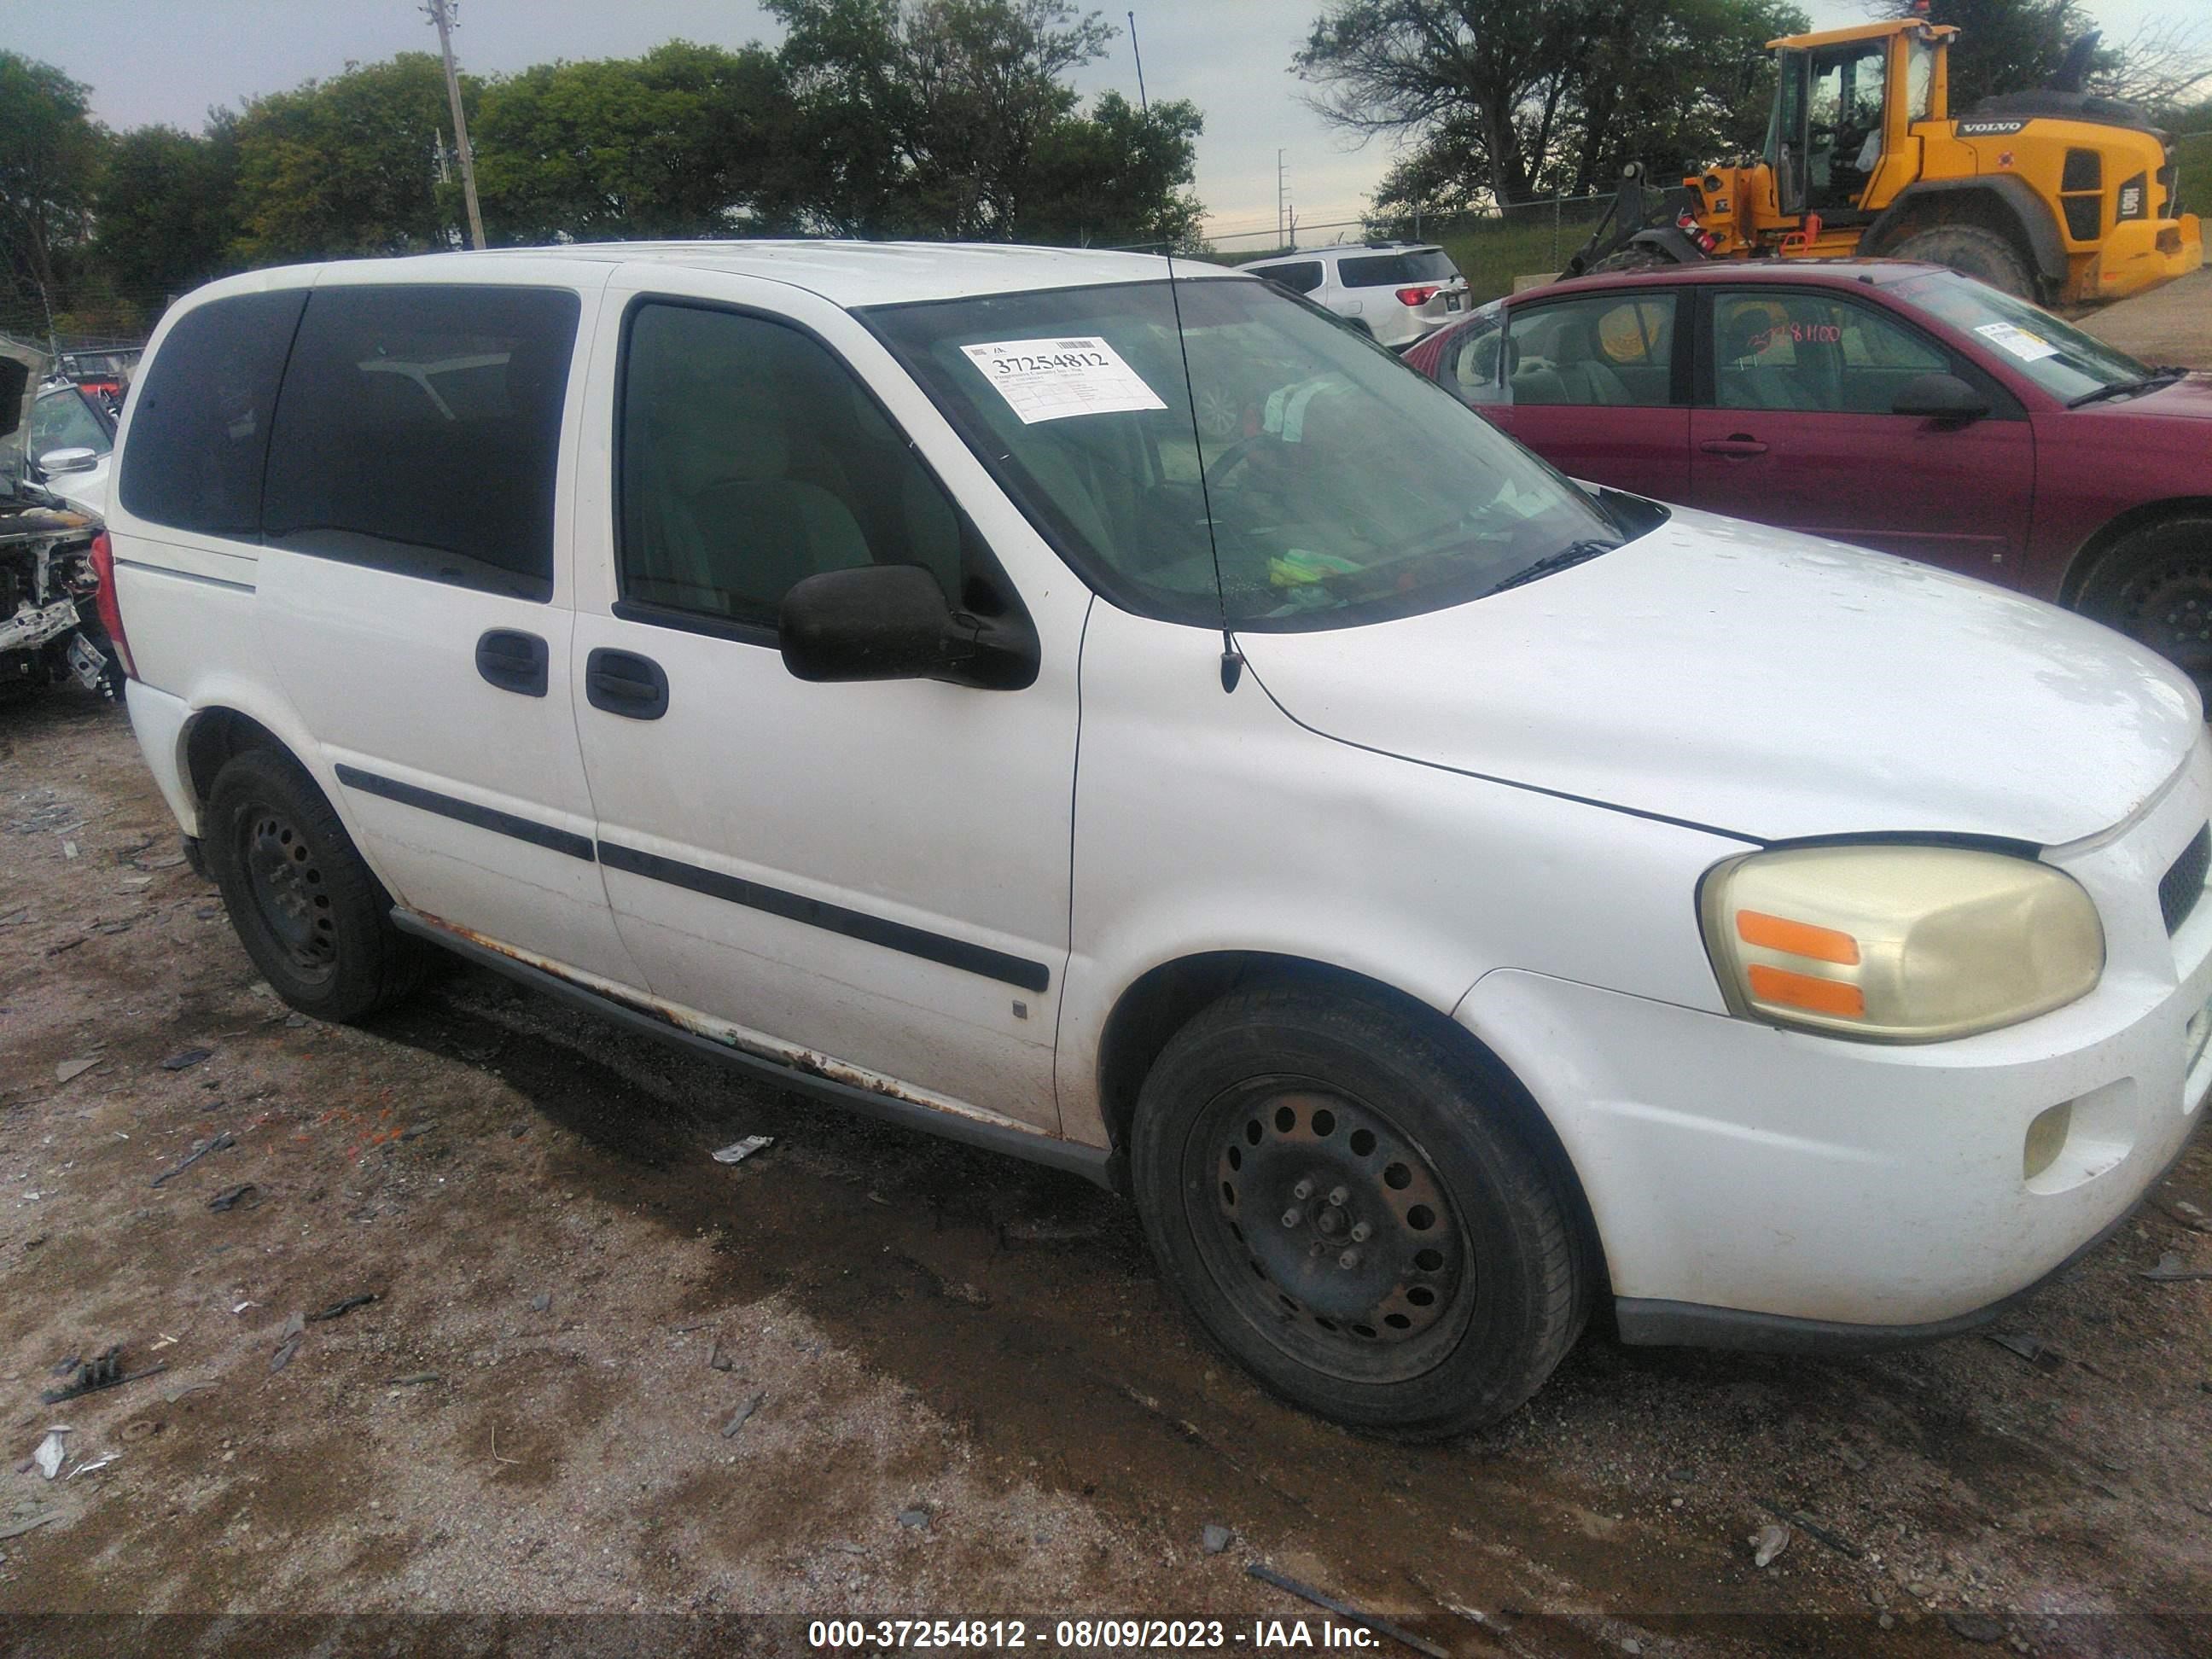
x,y
1359,1276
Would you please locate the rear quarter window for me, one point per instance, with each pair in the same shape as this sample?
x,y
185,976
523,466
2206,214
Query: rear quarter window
x,y
1431,264
199,429
1300,277
419,432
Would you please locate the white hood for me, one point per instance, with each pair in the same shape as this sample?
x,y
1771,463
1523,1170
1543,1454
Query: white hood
x,y
1761,683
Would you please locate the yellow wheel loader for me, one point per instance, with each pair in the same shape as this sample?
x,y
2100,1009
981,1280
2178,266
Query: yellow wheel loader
x,y
2055,194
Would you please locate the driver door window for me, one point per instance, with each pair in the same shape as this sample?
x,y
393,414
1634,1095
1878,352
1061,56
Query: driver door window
x,y
1843,136
750,460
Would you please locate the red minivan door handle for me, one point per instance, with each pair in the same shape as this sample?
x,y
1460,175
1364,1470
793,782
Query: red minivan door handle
x,y
1741,444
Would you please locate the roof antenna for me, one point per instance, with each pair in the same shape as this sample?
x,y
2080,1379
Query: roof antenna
x,y
1232,659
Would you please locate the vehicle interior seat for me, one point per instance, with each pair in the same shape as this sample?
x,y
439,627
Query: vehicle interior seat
x,y
1745,382
726,527
1588,378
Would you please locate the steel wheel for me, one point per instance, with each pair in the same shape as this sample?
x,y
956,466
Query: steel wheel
x,y
289,893
2169,608
1325,1224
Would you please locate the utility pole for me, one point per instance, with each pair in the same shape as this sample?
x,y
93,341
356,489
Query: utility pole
x,y
442,13
1278,199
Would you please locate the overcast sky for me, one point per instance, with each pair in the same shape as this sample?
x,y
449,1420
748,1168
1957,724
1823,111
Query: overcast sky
x,y
170,60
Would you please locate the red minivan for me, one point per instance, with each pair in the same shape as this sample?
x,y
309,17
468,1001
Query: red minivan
x,y
1896,405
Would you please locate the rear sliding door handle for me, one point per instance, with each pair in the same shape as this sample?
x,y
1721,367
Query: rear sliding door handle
x,y
623,683
1740,445
512,661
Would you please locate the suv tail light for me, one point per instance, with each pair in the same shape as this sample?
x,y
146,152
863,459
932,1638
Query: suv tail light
x,y
1420,294
105,602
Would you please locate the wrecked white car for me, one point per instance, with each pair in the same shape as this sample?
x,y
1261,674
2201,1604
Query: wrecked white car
x,y
49,628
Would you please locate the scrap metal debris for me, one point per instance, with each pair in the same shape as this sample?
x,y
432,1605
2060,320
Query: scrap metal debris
x,y
2170,1270
229,1197
1344,1610
738,1417
71,1069
738,1151
18,1529
1813,1528
103,1370
51,1451
221,1142
288,1342
340,1309
185,1059
2037,1353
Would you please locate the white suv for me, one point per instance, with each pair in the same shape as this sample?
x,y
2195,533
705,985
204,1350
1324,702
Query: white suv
x,y
1438,893
1394,292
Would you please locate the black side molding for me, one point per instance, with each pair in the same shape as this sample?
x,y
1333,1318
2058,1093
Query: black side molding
x,y
467,811
1096,1165
960,953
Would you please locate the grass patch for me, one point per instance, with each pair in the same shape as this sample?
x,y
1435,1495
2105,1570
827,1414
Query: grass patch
x,y
1492,253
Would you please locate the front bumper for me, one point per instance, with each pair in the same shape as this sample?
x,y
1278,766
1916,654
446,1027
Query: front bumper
x,y
1763,1188
2142,253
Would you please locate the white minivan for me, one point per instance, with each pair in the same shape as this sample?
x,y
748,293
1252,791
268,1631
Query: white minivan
x,y
1440,894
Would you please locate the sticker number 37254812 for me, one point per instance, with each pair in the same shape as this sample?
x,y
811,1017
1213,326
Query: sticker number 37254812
x,y
1052,380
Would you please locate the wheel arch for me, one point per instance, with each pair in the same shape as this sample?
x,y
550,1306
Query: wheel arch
x,y
212,737
1162,1000
2091,555
1997,201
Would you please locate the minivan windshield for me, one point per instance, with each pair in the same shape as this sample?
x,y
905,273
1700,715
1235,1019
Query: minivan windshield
x,y
2058,356
1344,487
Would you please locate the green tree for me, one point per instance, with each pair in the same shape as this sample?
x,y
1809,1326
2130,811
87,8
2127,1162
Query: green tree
x,y
350,165
1115,177
1508,101
937,118
49,158
167,208
686,141
2012,45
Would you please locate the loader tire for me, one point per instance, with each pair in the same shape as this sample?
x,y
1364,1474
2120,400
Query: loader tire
x,y
1972,251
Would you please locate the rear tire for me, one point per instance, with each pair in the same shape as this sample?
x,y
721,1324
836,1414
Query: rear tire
x,y
1972,251
2156,586
316,922
1346,1207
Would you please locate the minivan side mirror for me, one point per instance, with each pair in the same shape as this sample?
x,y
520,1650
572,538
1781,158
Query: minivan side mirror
x,y
1940,398
877,622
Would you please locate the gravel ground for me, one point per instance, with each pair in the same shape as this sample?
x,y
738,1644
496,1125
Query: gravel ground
x,y
974,1396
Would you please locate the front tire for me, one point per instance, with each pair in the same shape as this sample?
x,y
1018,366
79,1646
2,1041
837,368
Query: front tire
x,y
1972,251
308,911
2156,586
1346,1207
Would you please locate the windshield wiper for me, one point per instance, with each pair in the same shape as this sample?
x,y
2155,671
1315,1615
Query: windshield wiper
x,y
2157,377
1573,553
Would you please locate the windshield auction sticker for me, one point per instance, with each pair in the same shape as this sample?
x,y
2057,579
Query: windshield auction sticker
x,y
1052,380
2018,341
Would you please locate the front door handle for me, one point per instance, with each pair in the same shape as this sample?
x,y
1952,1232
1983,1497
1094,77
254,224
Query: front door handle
x,y
623,683
1740,445
512,660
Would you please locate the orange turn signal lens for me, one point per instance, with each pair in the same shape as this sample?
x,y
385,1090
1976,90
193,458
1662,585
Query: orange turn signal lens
x,y
1796,938
1819,996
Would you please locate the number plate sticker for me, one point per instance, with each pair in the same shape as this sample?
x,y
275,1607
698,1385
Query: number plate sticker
x,y
1052,380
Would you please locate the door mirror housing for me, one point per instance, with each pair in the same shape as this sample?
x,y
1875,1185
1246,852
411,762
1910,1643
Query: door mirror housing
x,y
76,459
879,622
1940,398
890,622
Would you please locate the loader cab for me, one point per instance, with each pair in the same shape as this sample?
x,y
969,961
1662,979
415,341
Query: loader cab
x,y
1844,107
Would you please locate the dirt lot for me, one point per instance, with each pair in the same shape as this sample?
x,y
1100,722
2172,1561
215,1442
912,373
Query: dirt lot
x,y
974,1396
2169,325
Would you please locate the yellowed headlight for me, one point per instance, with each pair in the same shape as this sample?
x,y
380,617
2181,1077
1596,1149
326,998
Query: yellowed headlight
x,y
1898,943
